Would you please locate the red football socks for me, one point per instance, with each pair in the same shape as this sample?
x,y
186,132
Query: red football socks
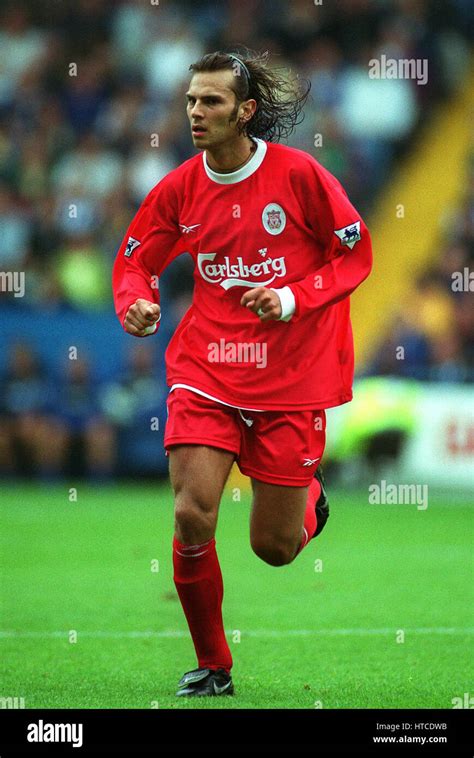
x,y
310,522
198,580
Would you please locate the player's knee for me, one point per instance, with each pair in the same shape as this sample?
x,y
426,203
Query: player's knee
x,y
192,518
273,551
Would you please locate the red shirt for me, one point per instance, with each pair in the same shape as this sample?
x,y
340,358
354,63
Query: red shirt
x,y
281,220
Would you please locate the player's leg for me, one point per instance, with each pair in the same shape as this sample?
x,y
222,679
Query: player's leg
x,y
198,476
284,519
281,452
276,521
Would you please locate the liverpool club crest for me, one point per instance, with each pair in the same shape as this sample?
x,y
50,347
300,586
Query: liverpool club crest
x,y
274,218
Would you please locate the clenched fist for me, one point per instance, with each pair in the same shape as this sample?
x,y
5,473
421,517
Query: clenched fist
x,y
264,302
141,318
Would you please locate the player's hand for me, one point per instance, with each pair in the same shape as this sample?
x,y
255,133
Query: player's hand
x,y
264,302
140,316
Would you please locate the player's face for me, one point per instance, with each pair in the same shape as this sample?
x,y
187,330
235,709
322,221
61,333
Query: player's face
x,y
212,108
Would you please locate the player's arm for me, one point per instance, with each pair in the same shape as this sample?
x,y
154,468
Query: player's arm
x,y
344,240
152,241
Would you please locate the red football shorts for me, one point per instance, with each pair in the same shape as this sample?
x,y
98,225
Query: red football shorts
x,y
278,447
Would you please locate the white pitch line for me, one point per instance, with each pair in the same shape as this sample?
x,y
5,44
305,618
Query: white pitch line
x,y
181,633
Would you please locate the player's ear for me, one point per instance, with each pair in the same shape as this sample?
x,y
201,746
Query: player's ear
x,y
247,109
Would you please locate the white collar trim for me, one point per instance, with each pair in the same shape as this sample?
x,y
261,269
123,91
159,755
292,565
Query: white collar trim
x,y
242,173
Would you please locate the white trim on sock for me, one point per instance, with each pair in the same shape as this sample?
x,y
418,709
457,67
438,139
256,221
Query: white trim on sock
x,y
192,555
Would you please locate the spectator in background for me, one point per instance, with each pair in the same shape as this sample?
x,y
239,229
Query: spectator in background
x,y
375,115
52,130
148,164
23,47
168,56
33,172
86,91
323,64
16,232
455,257
131,402
464,326
435,322
89,439
135,406
122,115
133,27
89,168
31,441
78,214
116,216
404,352
446,358
9,153
82,272
46,232
429,308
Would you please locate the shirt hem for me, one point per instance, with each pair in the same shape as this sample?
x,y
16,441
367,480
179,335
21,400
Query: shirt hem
x,y
311,405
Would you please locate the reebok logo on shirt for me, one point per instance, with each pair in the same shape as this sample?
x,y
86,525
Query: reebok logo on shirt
x,y
188,229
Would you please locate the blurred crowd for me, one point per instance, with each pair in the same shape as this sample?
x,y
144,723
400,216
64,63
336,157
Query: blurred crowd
x,y
66,423
434,325
92,116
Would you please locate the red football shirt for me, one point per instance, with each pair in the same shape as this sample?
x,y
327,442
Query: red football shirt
x,y
280,220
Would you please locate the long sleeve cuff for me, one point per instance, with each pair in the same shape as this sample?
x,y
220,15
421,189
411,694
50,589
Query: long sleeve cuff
x,y
288,303
152,329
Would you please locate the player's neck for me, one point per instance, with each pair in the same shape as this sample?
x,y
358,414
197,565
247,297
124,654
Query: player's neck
x,y
230,157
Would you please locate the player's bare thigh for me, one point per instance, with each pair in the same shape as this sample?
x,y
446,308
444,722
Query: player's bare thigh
x,y
276,521
198,475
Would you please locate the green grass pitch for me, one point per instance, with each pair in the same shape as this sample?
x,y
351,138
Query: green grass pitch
x,y
313,634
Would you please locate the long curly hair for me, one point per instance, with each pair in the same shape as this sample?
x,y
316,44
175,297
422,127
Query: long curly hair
x,y
280,98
